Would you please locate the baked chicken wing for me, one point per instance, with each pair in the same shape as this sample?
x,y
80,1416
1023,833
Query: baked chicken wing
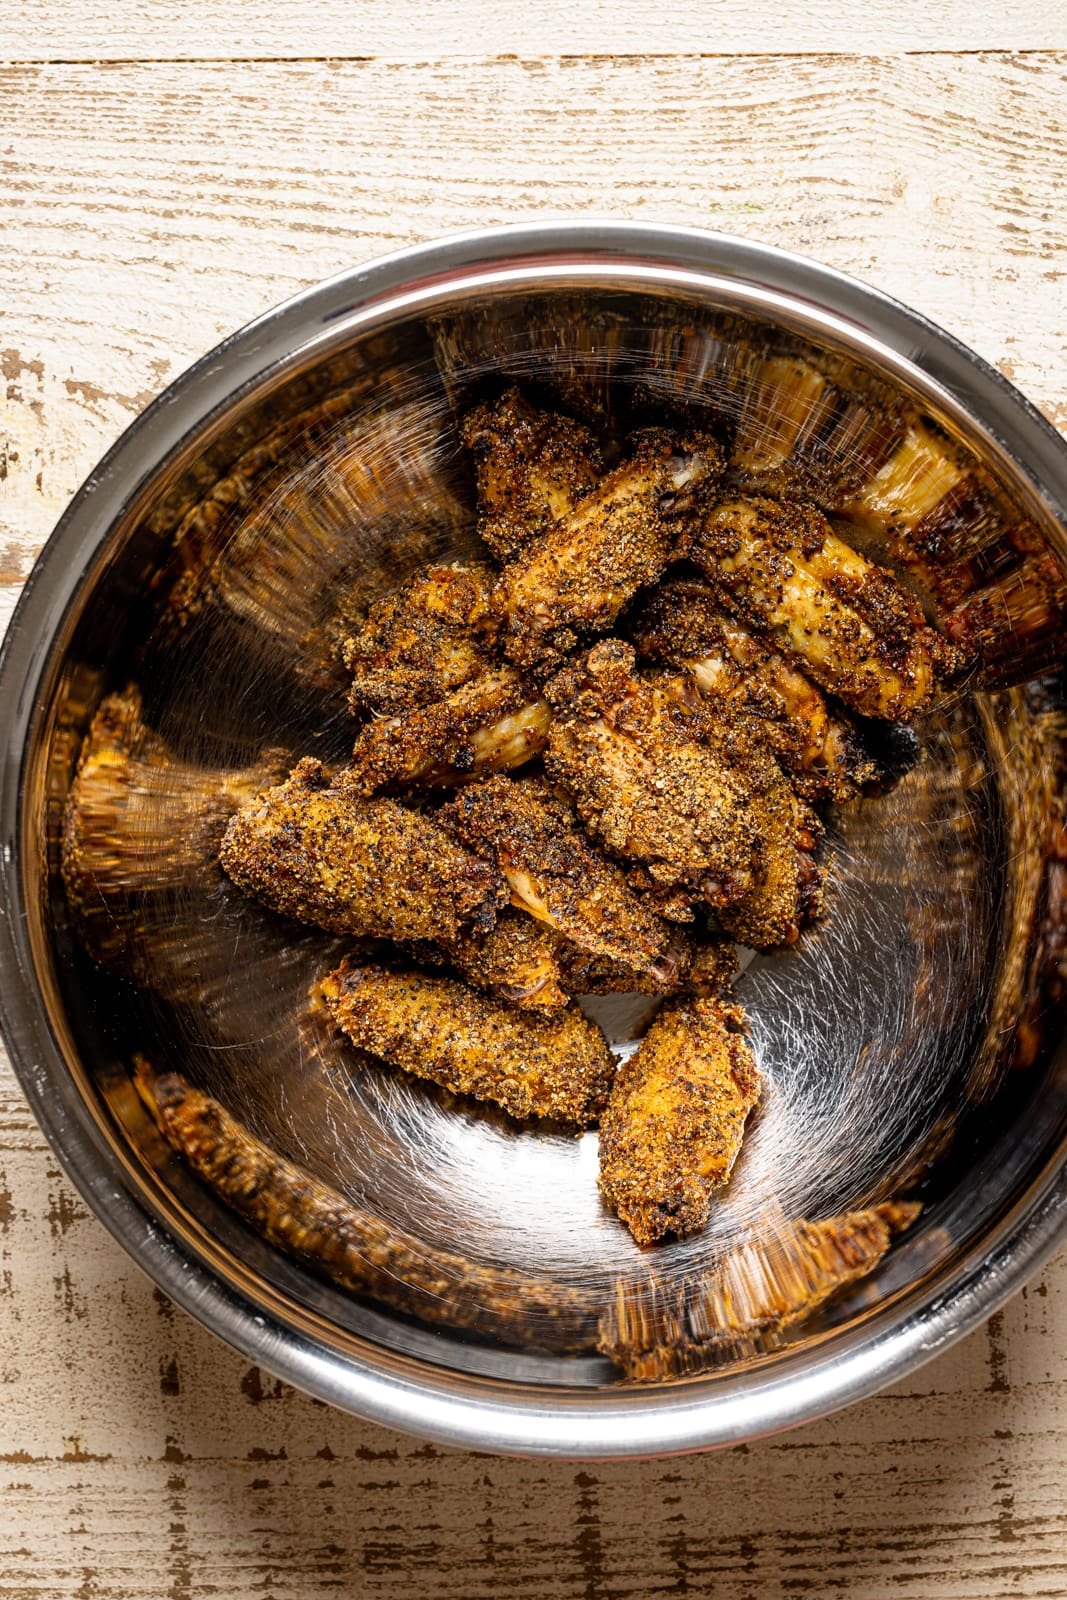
x,y
680,623
535,1064
675,1118
646,783
518,959
575,580
848,623
319,853
492,724
421,641
532,468
556,874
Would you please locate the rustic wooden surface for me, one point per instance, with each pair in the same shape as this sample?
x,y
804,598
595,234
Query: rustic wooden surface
x,y
166,172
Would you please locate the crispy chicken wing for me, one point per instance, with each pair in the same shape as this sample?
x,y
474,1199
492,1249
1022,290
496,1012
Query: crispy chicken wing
x,y
532,468
675,1118
646,782
535,1064
350,1246
517,959
421,641
139,823
781,569
576,579
556,874
494,723
681,623
691,966
317,852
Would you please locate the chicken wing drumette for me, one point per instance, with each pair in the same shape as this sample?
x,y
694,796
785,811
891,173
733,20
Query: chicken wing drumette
x,y
675,1119
556,874
317,852
576,578
680,623
532,468
533,1063
779,566
496,722
423,640
647,783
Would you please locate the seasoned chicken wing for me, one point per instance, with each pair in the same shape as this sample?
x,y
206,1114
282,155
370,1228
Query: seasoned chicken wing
x,y
517,959
317,852
647,782
532,468
350,1246
496,722
675,1118
780,567
691,966
533,1063
681,623
556,874
576,579
423,640
140,824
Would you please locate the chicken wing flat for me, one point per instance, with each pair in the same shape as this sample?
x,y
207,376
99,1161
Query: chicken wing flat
x,y
497,722
675,1118
535,1064
421,641
681,623
691,966
532,468
576,579
646,783
849,624
350,1246
556,874
517,959
139,823
317,852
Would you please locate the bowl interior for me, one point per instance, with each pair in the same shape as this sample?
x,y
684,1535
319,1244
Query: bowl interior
x,y
909,1040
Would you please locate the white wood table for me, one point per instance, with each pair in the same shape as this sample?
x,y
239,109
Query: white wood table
x,y
169,169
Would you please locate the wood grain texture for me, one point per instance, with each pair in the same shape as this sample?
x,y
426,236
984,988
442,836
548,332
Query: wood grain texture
x,y
78,30
148,209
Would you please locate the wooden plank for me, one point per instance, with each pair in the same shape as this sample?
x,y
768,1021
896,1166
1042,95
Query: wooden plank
x,y
65,30
150,210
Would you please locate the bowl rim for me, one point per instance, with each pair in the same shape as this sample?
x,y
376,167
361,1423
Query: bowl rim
x,y
457,1408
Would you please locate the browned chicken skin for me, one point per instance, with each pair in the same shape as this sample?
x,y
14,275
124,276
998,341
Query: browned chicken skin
x,y
518,959
494,723
681,623
535,1064
779,566
532,468
555,873
423,640
647,782
576,578
321,854
674,1122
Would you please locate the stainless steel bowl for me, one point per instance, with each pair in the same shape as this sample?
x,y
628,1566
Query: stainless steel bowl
x,y
912,1042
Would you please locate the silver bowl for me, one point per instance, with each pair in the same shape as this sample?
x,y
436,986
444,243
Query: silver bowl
x,y
912,1042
